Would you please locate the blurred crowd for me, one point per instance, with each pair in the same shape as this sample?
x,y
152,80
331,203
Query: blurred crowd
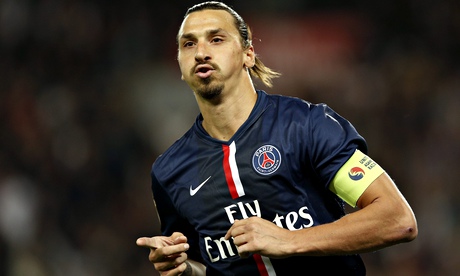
x,y
90,95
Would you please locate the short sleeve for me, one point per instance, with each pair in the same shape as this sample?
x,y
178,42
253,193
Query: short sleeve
x,y
171,221
333,140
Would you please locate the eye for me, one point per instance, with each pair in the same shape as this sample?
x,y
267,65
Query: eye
x,y
216,40
188,44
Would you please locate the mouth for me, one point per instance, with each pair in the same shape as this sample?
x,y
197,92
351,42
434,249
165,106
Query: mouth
x,y
204,70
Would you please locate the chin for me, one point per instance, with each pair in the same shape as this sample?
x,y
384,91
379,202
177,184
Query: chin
x,y
209,91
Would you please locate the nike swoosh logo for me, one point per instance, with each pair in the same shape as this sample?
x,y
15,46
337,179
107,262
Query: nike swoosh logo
x,y
194,191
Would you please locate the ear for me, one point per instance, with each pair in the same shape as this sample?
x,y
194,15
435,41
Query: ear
x,y
249,57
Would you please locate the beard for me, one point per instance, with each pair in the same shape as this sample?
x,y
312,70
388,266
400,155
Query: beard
x,y
209,88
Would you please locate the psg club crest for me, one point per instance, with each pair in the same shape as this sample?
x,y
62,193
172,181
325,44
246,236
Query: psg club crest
x,y
266,159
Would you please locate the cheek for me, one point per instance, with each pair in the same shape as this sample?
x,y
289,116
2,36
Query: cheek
x,y
235,60
183,67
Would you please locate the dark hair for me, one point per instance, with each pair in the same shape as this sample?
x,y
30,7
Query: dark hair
x,y
259,69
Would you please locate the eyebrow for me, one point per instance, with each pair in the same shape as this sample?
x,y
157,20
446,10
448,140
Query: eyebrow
x,y
208,33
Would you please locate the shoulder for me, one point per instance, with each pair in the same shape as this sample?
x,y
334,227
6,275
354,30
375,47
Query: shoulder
x,y
292,101
298,107
179,149
285,100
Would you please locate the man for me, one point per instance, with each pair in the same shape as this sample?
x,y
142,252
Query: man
x,y
257,185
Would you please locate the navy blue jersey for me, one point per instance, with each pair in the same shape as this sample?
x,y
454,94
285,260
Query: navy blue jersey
x,y
277,166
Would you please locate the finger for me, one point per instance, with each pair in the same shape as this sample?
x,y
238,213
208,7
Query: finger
x,y
154,242
244,250
165,263
174,249
182,267
180,239
177,235
228,235
170,263
178,270
230,231
238,228
239,240
143,242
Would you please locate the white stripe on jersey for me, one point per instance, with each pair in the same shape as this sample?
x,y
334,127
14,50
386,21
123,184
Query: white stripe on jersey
x,y
234,170
268,266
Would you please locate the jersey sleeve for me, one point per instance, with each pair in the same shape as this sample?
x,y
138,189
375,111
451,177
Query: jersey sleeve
x,y
333,140
171,221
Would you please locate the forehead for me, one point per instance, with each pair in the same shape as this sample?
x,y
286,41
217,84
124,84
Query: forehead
x,y
204,20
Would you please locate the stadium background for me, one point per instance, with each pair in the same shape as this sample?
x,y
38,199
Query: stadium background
x,y
90,94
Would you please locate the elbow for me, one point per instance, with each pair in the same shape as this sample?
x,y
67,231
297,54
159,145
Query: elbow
x,y
408,234
407,229
410,231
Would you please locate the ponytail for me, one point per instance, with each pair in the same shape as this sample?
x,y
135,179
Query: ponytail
x,y
259,70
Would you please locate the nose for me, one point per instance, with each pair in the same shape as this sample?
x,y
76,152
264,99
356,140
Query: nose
x,y
202,53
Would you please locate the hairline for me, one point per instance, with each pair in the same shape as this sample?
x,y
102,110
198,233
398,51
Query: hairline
x,y
234,19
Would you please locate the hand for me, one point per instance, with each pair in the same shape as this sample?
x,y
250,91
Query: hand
x,y
257,235
167,254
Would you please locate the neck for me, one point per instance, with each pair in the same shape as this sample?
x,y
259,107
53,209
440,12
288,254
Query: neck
x,y
223,117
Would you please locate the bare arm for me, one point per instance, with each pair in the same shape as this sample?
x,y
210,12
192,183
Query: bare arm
x,y
384,219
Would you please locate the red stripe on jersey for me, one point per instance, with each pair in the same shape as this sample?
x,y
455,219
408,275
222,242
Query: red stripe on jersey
x,y
260,265
228,172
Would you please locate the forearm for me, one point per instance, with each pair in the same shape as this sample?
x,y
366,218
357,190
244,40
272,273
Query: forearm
x,y
349,235
381,222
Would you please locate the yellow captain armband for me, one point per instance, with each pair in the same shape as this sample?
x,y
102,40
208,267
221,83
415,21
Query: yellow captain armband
x,y
354,177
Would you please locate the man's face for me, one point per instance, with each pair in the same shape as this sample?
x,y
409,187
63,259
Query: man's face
x,y
210,54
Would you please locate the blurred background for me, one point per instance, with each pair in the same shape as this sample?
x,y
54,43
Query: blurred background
x,y
90,95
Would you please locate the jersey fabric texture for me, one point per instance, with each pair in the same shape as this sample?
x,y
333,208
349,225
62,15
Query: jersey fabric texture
x,y
277,166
